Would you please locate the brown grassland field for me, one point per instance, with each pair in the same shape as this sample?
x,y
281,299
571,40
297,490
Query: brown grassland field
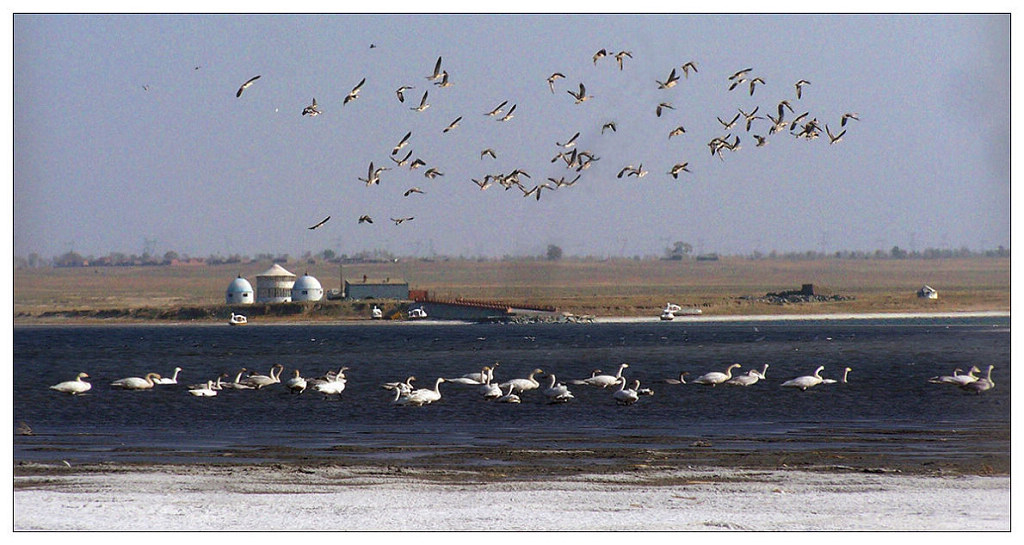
x,y
617,287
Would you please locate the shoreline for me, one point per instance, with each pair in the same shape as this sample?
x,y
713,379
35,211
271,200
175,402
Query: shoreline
x,y
690,319
370,498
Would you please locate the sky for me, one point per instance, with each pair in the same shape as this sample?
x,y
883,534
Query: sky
x,y
128,134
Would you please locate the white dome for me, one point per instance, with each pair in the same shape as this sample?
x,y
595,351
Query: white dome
x,y
239,292
307,288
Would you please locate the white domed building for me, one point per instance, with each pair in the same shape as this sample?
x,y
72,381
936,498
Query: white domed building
x,y
239,292
307,288
274,285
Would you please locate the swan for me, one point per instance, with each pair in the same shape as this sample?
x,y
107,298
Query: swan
x,y
604,381
805,381
833,381
474,379
509,397
205,391
521,385
490,390
981,384
172,380
73,387
424,396
296,384
626,396
237,384
136,383
333,387
715,377
593,374
557,393
957,379
680,380
259,381
400,387
751,377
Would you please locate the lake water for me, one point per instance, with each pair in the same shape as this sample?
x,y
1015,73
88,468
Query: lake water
x,y
887,406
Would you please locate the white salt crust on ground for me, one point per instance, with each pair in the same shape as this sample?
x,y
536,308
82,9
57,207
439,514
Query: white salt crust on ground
x,y
191,498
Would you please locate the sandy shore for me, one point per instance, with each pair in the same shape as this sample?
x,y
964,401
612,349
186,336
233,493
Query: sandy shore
x,y
296,498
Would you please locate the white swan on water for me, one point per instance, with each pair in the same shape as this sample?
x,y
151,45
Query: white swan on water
x,y
400,387
715,377
626,396
604,381
296,384
172,380
751,377
521,385
136,383
982,384
490,390
509,397
73,387
473,379
680,380
206,391
556,392
259,381
833,381
805,381
238,384
957,379
335,386
424,396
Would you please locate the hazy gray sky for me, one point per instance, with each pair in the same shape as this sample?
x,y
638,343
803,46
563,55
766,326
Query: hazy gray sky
x,y
127,128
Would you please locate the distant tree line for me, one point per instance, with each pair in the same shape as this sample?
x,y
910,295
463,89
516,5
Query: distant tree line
x,y
678,251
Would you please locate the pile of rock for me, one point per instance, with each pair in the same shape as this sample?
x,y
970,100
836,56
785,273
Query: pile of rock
x,y
804,295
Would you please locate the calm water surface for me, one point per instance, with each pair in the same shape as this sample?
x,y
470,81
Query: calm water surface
x,y
888,405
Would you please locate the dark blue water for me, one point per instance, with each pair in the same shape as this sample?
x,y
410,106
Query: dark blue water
x,y
888,405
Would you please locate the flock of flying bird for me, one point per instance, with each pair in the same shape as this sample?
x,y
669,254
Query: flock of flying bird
x,y
803,126
334,382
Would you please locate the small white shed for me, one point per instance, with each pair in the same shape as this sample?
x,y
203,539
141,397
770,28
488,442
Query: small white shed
x,y
927,292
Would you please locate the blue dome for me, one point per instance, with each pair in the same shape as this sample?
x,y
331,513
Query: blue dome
x,y
239,292
239,285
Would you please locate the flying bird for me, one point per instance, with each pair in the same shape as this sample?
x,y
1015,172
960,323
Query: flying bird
x,y
689,66
437,70
453,124
832,139
599,54
663,105
423,103
433,173
398,221
676,169
509,114
799,86
497,109
677,131
853,116
401,92
754,82
760,140
412,190
444,80
608,125
246,85
669,82
536,190
365,219
581,96
490,152
730,124
740,74
312,110
371,176
323,221
401,162
402,143
417,163
570,142
354,93
619,56
552,78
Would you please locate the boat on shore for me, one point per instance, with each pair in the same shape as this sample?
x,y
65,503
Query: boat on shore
x,y
417,314
671,309
238,319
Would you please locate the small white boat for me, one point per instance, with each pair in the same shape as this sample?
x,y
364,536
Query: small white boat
x,y
376,313
667,315
417,314
238,319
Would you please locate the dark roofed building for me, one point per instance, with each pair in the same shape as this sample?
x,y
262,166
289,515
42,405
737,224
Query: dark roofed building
x,y
376,289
